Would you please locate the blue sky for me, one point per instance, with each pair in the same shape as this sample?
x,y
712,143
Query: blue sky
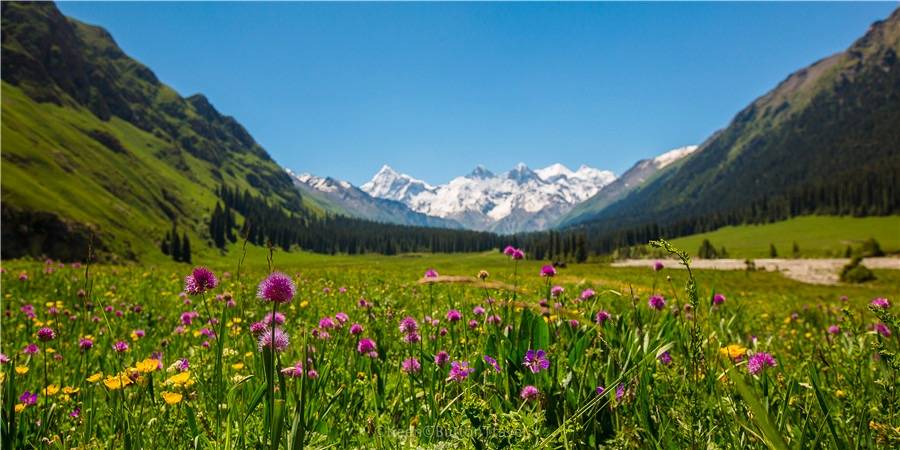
x,y
435,89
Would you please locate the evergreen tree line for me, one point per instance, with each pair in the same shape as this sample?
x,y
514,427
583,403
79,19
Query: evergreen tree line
x,y
265,223
178,248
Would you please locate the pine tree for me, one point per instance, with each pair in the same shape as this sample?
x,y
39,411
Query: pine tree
x,y
176,245
164,245
773,252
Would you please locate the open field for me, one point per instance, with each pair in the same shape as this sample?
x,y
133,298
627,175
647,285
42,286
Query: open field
x,y
374,375
816,236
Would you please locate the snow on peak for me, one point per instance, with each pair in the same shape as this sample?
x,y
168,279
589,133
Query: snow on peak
x,y
671,156
553,171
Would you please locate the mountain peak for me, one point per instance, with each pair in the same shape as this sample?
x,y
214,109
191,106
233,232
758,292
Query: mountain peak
x,y
480,173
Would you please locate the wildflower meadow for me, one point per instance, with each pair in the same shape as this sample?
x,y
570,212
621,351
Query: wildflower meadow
x,y
493,351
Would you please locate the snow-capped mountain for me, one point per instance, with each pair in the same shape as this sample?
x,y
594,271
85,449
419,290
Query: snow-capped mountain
x,y
640,173
341,197
518,200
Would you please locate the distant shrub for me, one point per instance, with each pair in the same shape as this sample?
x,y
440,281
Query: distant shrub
x,y
871,247
773,252
856,272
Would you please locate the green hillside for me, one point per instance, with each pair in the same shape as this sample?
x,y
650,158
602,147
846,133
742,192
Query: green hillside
x,y
823,142
816,236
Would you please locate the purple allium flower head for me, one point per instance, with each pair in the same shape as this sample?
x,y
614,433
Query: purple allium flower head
x,y
278,319
273,338
834,329
492,362
120,346
443,331
665,358
620,391
312,374
478,310
494,320
431,273
536,360
3,358
408,325
556,291
356,329
601,317
509,250
23,276
459,371
46,334
473,324
657,266
412,338
27,398
366,346
362,303
326,323
518,254
341,317
140,333
31,349
548,271
295,371
199,281
441,358
411,365
879,328
182,365
574,323
277,287
342,290
529,393
600,390
75,413
718,299
454,315
881,303
257,328
656,302
85,344
587,294
760,361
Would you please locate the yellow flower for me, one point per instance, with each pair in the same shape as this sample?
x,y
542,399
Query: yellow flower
x,y
20,407
117,382
50,350
180,379
21,370
304,303
237,320
95,377
733,351
70,390
146,366
237,366
51,390
840,394
172,398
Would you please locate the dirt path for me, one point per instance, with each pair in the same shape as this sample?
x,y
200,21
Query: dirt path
x,y
814,271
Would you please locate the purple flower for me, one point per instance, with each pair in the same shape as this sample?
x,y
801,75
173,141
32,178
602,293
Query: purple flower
x,y
760,361
459,371
188,317
28,398
367,347
657,302
509,250
881,303
879,328
600,390
75,413
356,329
518,254
199,281
182,365
295,371
601,317
3,358
620,391
478,310
326,323
274,339
473,324
411,365
718,299
529,393
492,362
494,320
665,358
257,328
85,344
31,349
454,315
409,325
120,346
341,317
556,291
277,287
46,334
278,319
431,273
834,329
548,271
140,333
412,338
536,360
441,358
587,294
657,266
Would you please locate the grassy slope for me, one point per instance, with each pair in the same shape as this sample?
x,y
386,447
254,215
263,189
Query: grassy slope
x,y
817,236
